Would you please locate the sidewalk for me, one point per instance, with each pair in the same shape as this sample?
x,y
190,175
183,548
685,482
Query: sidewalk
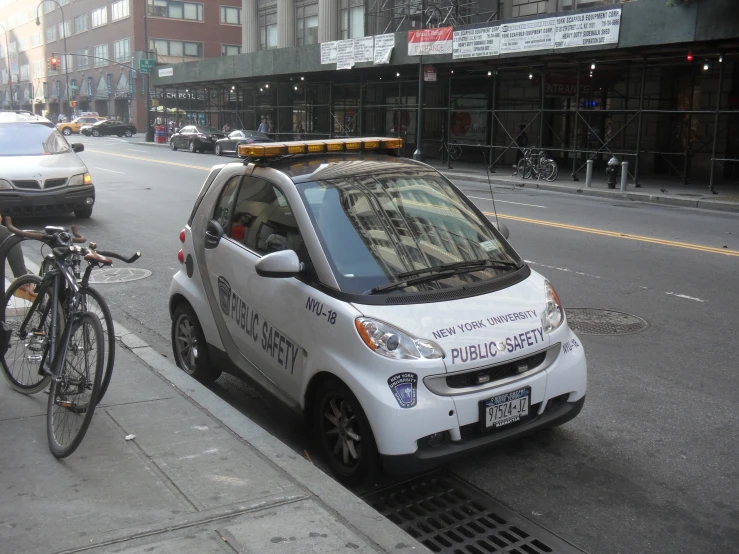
x,y
198,477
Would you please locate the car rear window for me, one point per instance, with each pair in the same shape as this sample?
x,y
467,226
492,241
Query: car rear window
x,y
25,139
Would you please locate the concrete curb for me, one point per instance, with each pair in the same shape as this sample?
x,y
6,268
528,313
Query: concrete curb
x,y
355,513
701,203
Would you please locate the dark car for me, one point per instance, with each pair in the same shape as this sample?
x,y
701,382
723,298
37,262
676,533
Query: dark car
x,y
195,138
228,145
108,127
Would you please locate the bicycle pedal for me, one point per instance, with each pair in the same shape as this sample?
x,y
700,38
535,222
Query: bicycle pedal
x,y
65,404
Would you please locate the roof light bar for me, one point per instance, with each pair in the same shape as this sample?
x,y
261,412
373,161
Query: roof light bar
x,y
275,150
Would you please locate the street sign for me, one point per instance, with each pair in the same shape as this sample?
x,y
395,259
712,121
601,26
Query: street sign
x,y
146,65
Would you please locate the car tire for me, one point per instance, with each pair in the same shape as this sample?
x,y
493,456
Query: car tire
x,y
189,346
67,131
218,150
191,147
172,145
83,213
334,398
95,133
128,133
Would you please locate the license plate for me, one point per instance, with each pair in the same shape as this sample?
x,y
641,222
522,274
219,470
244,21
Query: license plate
x,y
505,409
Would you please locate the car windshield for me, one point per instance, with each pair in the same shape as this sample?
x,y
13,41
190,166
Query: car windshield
x,y
256,135
28,139
376,229
207,130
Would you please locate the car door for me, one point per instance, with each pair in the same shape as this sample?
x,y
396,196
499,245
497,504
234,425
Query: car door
x,y
185,136
235,139
263,316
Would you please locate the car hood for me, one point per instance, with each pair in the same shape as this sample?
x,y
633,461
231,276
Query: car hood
x,y
50,166
477,331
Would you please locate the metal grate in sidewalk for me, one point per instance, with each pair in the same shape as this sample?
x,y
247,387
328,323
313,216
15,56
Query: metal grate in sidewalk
x,y
449,515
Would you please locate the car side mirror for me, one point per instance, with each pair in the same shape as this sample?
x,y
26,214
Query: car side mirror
x,y
503,230
78,147
284,263
213,234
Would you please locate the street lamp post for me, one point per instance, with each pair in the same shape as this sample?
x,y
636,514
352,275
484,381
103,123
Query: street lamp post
x,y
10,75
66,59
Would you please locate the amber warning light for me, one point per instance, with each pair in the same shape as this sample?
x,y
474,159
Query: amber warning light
x,y
274,150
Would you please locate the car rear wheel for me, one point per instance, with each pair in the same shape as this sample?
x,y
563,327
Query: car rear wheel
x,y
192,147
128,133
95,133
218,150
189,346
83,213
67,131
344,433
172,145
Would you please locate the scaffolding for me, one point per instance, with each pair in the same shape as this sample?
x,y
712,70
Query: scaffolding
x,y
394,16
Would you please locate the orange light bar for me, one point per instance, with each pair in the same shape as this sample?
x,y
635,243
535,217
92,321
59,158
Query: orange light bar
x,y
334,146
276,149
316,147
392,143
296,148
353,145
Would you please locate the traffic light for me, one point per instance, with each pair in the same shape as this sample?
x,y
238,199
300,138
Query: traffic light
x,y
54,63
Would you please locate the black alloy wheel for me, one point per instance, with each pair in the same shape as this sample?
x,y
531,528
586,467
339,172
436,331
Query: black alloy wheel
x,y
189,346
95,133
218,150
67,131
128,133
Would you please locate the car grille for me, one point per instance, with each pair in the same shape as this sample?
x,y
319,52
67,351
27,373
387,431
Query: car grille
x,y
474,430
51,183
495,373
29,184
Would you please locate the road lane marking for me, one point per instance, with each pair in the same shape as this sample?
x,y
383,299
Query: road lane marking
x,y
562,269
685,296
616,234
150,160
508,202
112,171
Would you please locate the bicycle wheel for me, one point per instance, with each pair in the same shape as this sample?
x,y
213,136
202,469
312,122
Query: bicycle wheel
x,y
93,302
22,362
546,169
524,169
72,396
455,152
555,171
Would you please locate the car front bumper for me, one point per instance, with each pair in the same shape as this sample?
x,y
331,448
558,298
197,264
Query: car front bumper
x,y
40,202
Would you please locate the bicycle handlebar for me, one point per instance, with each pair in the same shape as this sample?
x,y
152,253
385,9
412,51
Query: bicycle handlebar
x,y
35,235
130,260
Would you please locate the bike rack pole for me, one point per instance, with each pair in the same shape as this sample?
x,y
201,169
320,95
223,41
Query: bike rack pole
x,y
589,173
624,175
715,126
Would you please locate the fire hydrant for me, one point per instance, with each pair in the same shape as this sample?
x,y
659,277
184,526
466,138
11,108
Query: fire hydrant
x,y
612,172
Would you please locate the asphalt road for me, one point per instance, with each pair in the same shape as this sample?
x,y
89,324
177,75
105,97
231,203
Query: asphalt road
x,y
651,463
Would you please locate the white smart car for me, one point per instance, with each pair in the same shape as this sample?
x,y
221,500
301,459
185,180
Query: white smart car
x,y
367,292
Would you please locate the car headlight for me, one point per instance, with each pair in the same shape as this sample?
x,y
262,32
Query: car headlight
x,y
5,185
79,180
553,315
393,343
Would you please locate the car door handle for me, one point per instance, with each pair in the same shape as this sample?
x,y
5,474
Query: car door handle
x,y
213,234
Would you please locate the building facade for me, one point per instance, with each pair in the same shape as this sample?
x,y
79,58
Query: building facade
x,y
103,41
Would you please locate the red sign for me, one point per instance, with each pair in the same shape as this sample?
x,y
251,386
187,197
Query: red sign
x,y
430,41
429,73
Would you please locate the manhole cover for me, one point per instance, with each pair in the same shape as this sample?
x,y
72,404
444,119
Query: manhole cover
x,y
118,275
447,514
603,322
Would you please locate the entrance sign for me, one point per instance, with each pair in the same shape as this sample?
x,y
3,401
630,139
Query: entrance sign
x,y
428,42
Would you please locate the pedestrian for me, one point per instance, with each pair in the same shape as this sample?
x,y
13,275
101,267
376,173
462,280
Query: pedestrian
x,y
522,141
17,264
226,128
263,126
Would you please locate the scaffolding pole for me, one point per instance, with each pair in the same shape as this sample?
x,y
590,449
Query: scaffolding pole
x,y
715,128
543,99
577,126
639,121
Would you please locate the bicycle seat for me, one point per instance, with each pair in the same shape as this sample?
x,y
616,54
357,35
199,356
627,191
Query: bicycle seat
x,y
95,257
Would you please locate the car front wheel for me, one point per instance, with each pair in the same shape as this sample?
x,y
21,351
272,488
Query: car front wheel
x,y
218,150
344,433
129,133
189,346
172,145
67,131
96,133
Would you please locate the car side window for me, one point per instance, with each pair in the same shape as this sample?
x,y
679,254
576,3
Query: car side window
x,y
225,208
235,135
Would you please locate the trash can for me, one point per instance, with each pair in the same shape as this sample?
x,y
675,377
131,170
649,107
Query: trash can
x,y
160,134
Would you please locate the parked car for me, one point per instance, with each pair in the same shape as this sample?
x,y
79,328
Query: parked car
x,y
196,138
40,172
108,127
228,144
75,125
369,293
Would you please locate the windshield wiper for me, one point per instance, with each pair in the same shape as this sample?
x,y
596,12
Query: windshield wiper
x,y
439,272
467,264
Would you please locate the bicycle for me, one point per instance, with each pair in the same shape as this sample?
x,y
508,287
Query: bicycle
x,y
72,360
93,301
535,162
453,151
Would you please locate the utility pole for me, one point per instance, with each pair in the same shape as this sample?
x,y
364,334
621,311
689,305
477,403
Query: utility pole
x,y
10,75
66,56
147,77
418,154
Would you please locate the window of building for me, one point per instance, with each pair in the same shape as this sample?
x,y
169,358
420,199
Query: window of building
x,y
24,44
64,2
4,77
101,51
352,19
307,24
173,9
10,23
80,23
230,15
268,30
230,49
25,72
65,29
22,17
100,17
37,68
50,34
122,50
119,10
37,39
83,60
49,6
176,48
66,63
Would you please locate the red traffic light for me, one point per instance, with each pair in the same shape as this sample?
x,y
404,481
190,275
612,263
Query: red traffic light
x,y
690,56
54,63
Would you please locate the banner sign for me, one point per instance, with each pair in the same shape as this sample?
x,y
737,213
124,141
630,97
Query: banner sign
x,y
428,42
328,52
384,45
345,54
130,82
588,29
364,49
166,72
591,28
429,73
109,82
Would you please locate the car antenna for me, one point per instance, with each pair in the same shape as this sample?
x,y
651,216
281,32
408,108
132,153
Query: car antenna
x,y
490,184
